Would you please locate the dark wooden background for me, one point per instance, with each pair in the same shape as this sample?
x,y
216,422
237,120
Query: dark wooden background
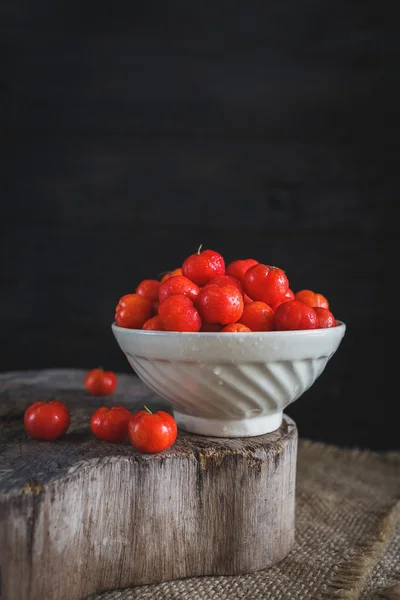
x,y
134,133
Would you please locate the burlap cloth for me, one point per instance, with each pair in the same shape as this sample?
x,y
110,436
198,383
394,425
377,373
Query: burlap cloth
x,y
347,537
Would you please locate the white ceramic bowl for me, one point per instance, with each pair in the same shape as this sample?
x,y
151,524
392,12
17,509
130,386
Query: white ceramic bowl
x,y
229,384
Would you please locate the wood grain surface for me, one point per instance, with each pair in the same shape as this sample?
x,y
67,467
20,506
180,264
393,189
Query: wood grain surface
x,y
80,515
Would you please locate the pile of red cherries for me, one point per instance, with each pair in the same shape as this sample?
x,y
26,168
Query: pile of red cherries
x,y
206,295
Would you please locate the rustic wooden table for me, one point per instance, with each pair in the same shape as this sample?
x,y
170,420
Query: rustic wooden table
x,y
80,515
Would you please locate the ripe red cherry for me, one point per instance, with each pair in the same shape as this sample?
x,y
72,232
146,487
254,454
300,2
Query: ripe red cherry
x,y
220,304
222,280
99,382
132,311
148,288
172,273
325,317
258,316
111,424
238,268
152,432
153,324
288,296
311,298
46,421
177,313
203,266
178,284
235,328
294,315
265,283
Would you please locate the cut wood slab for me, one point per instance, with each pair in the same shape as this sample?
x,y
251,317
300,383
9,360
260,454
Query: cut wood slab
x,y
79,515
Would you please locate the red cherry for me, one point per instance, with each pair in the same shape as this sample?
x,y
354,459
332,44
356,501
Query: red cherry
x,y
172,273
235,328
265,283
222,280
148,288
293,315
288,296
111,424
238,268
203,266
311,298
178,284
46,421
99,382
220,304
258,316
325,317
177,313
153,324
152,432
132,311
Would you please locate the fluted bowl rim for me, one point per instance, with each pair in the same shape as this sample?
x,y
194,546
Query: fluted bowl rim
x,y
211,347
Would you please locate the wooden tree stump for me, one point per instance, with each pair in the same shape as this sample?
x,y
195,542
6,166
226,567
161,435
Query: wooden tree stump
x,y
79,515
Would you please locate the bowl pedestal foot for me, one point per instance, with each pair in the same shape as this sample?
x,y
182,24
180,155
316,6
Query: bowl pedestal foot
x,y
229,428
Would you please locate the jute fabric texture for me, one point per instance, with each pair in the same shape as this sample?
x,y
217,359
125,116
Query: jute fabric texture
x,y
347,537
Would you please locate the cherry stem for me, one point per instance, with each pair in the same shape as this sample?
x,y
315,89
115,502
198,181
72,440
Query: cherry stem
x,y
148,410
199,248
